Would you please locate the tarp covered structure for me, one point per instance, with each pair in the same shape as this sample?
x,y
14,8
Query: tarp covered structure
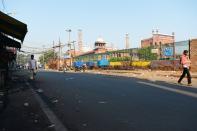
x,y
12,28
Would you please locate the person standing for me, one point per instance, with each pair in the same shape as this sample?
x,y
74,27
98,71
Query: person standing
x,y
185,62
33,66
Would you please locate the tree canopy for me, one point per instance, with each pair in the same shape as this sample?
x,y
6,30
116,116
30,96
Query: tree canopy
x,y
44,58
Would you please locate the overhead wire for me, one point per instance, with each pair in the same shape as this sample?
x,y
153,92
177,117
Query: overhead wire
x,y
3,4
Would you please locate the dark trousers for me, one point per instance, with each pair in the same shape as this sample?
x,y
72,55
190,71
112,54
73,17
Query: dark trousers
x,y
185,71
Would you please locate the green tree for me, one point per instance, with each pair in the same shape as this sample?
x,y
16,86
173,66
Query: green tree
x,y
22,59
47,56
145,54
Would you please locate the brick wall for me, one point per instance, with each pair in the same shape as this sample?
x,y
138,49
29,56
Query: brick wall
x,y
146,42
165,65
193,54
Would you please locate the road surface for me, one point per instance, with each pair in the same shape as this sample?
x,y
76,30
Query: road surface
x,y
89,102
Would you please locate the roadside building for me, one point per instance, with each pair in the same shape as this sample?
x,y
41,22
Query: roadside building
x,y
157,40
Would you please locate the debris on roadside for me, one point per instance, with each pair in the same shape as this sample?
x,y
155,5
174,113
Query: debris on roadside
x,y
55,101
26,104
35,121
84,124
51,126
40,90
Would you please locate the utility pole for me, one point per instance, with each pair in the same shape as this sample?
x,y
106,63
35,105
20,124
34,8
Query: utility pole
x,y
43,57
59,55
73,42
69,45
3,4
174,55
74,48
53,50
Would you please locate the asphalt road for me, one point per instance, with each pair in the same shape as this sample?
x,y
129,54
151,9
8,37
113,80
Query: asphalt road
x,y
88,102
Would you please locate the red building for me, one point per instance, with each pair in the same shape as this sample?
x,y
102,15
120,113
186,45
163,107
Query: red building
x,y
157,39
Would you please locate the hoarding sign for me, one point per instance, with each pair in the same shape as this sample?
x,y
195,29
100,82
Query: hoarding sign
x,y
168,51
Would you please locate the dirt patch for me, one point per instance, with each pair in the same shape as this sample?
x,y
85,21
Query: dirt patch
x,y
166,76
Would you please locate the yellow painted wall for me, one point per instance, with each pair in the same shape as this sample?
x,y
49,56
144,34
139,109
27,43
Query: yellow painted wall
x,y
115,63
140,63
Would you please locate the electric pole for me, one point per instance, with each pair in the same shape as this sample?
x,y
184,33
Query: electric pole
x,y
53,50
59,55
69,45
43,57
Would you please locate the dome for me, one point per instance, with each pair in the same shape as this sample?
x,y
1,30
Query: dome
x,y
100,40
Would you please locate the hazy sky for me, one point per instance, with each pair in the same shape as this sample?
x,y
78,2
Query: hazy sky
x,y
47,20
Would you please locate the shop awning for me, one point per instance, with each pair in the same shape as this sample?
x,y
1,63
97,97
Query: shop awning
x,y
6,41
12,27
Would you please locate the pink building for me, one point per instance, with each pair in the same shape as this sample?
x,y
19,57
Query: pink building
x,y
157,39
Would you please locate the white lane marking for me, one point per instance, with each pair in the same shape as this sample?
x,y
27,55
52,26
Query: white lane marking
x,y
102,102
71,78
191,94
51,116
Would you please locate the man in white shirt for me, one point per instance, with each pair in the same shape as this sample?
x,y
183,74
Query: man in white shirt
x,y
33,66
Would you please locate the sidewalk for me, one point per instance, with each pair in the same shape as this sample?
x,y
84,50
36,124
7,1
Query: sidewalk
x,y
23,112
166,76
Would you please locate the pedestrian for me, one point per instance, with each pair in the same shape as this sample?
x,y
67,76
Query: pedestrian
x,y
185,62
33,66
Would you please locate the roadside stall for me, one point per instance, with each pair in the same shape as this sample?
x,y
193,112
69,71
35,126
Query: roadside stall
x,y
12,34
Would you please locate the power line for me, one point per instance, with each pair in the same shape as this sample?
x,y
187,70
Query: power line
x,y
3,3
30,47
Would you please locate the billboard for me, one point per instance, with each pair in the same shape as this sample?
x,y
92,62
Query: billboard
x,y
168,51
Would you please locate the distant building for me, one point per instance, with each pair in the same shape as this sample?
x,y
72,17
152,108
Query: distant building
x,y
157,40
99,47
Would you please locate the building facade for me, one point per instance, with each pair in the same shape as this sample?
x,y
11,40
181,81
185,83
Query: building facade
x,y
157,40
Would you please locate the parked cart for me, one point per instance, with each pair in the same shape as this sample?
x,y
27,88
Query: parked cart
x,y
79,66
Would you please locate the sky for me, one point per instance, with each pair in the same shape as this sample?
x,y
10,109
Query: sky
x,y
47,20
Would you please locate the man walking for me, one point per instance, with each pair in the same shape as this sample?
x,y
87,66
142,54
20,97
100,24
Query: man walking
x,y
33,66
185,62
